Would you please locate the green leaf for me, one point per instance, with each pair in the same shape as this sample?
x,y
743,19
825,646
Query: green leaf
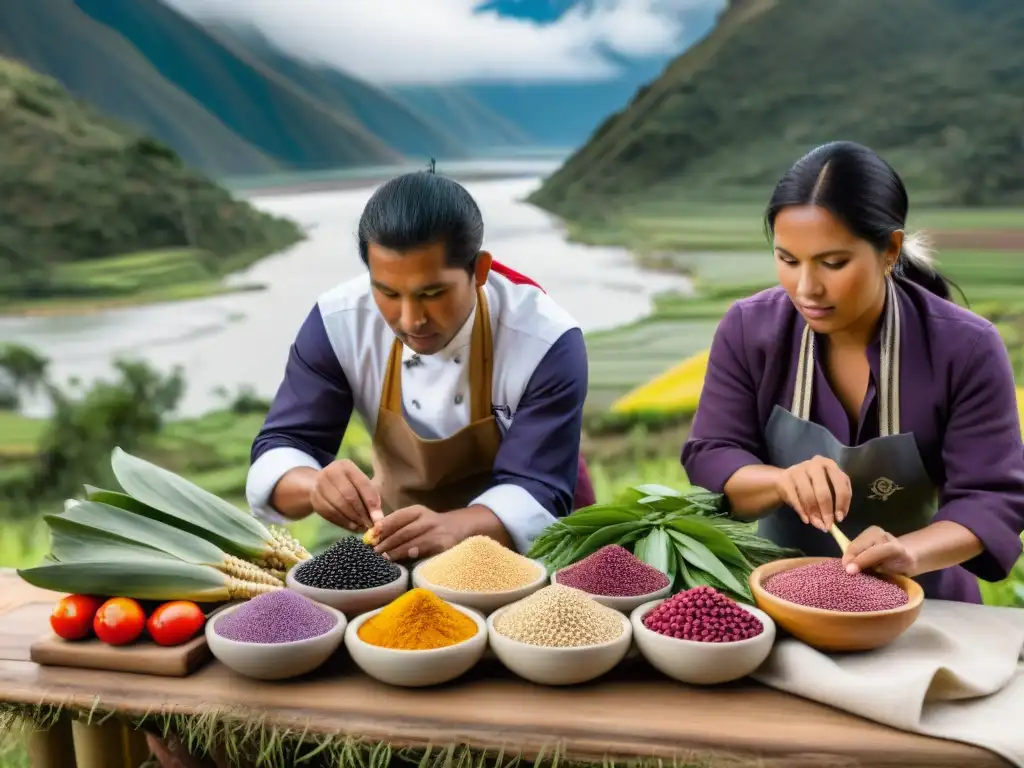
x,y
609,535
640,549
600,515
184,504
697,554
564,547
712,538
657,550
74,543
120,500
114,521
652,489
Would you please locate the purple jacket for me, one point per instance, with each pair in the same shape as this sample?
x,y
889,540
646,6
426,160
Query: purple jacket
x,y
957,397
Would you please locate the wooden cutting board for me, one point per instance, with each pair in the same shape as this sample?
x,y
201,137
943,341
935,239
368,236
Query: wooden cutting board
x,y
142,657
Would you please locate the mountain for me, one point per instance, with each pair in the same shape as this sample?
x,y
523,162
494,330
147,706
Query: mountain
x,y
79,187
98,65
937,86
478,126
442,122
565,114
229,104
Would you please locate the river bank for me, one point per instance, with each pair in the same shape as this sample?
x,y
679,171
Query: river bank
x,y
175,275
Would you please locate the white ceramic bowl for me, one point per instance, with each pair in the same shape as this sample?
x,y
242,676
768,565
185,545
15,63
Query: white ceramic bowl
x,y
696,663
486,602
275,661
416,669
352,602
558,666
623,604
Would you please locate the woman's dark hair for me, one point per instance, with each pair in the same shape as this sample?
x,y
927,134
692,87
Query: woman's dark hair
x,y
422,208
864,192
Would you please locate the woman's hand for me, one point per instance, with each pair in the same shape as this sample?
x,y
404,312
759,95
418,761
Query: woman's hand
x,y
879,550
818,490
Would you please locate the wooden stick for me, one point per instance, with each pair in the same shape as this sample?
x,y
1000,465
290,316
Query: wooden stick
x,y
840,538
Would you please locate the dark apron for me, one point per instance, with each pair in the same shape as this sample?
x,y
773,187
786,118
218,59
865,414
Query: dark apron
x,y
890,486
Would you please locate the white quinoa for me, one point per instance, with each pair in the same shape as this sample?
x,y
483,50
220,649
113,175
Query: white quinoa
x,y
480,564
560,616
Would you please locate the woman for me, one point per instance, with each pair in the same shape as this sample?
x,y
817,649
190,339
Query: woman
x,y
857,392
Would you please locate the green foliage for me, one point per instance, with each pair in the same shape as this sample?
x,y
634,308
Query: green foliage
x,y
937,86
81,188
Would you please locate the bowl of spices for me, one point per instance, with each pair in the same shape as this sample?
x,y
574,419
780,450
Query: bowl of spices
x,y
349,576
702,637
480,573
614,577
559,636
275,636
819,603
417,640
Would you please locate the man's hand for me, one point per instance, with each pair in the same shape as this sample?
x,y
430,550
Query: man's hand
x,y
343,495
414,532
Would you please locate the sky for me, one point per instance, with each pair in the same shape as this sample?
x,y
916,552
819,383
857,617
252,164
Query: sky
x,y
409,42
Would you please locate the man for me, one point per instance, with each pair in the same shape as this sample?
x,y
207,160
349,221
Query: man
x,y
469,377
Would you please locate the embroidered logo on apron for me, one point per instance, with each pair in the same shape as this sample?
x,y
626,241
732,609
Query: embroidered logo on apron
x,y
883,488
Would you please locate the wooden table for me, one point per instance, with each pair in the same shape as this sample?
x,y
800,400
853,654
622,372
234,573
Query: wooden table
x,y
633,713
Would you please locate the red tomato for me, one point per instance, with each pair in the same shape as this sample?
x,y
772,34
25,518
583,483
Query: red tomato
x,y
175,622
119,621
72,616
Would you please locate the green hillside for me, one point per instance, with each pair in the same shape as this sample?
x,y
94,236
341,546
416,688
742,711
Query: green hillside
x,y
80,189
98,65
226,108
937,86
256,103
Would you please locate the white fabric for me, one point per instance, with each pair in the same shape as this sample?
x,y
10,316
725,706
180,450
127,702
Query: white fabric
x,y
957,673
525,323
435,393
263,476
522,515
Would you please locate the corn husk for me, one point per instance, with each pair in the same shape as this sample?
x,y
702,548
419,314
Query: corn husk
x,y
93,531
162,495
158,577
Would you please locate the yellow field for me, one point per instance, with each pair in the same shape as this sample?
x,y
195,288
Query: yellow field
x,y
677,391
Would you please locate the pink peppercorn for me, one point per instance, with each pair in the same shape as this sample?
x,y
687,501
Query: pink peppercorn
x,y
703,615
827,585
613,571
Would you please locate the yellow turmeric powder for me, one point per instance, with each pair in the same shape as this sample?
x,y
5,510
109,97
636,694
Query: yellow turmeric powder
x,y
417,621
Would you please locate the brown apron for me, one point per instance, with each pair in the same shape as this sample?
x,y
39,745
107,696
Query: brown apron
x,y
445,474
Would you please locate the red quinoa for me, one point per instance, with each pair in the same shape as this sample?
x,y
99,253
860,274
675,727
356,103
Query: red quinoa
x,y
703,615
613,571
827,585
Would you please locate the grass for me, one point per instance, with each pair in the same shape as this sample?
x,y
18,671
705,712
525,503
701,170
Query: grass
x,y
135,279
679,225
724,249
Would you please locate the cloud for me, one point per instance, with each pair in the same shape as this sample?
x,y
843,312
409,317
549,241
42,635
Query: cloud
x,y
399,42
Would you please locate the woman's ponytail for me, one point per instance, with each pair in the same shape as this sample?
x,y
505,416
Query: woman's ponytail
x,y
916,265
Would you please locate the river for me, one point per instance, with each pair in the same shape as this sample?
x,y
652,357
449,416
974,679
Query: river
x,y
242,339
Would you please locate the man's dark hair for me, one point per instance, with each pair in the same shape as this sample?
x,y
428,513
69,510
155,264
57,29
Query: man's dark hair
x,y
419,209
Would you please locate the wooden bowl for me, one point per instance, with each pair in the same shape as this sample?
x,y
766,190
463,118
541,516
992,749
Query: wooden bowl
x,y
836,631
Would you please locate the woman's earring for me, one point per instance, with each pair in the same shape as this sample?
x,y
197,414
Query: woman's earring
x,y
888,270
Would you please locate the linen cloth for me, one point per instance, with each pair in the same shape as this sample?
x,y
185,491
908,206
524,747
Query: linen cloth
x,y
957,673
